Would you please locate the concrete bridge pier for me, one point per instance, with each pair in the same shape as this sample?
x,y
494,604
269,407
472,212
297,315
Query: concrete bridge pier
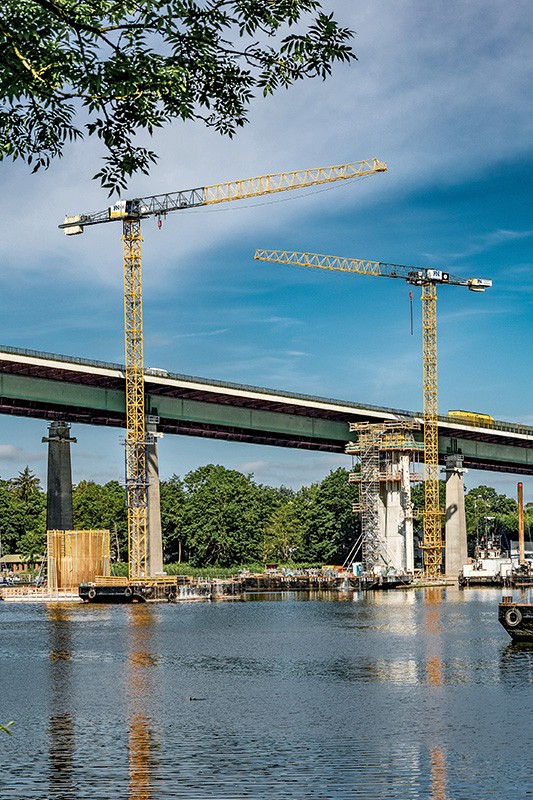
x,y
59,514
59,479
396,514
154,549
455,552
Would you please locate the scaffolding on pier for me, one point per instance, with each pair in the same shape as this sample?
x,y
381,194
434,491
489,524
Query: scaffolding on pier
x,y
379,448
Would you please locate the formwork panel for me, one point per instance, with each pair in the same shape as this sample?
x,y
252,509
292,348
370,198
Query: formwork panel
x,y
75,557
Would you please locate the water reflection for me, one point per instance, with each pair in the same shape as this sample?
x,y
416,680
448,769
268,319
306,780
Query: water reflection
x,y
140,725
419,696
439,788
60,723
516,664
435,678
433,636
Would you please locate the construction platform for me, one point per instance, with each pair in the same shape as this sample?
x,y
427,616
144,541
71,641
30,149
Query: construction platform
x,y
168,588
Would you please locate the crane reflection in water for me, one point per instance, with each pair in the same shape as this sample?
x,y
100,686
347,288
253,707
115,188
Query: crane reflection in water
x,y
141,660
61,773
435,678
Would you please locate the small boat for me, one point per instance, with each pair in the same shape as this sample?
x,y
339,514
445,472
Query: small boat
x,y
517,619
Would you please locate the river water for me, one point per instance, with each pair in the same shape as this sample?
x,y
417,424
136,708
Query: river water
x,y
383,696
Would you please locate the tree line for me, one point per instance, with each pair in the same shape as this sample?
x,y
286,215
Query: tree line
x,y
213,516
220,517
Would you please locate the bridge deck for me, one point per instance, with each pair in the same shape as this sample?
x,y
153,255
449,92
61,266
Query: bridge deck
x,y
92,392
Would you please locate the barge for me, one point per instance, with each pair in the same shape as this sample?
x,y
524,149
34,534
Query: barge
x,y
171,589
517,619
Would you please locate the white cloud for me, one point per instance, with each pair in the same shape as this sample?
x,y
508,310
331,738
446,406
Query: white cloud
x,y
12,455
8,452
437,92
196,334
484,244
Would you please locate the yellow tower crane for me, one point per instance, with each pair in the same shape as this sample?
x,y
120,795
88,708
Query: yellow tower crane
x,y
131,212
427,279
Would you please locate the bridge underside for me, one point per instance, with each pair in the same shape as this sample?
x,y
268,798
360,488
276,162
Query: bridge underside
x,y
92,393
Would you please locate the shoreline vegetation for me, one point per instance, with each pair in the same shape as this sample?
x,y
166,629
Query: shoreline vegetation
x,y
218,521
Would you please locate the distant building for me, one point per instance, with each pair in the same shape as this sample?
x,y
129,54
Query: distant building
x,y
17,563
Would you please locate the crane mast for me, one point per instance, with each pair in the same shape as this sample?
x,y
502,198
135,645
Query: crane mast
x,y
131,213
136,440
427,279
432,515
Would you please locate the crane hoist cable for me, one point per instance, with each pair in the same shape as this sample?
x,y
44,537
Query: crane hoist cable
x,y
131,213
427,279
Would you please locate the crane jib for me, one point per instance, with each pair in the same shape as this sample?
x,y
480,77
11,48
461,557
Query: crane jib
x,y
417,276
159,205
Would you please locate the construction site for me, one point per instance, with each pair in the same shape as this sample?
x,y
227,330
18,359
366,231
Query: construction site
x,y
390,455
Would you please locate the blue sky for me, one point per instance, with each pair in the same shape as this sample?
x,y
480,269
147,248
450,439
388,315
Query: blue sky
x,y
442,93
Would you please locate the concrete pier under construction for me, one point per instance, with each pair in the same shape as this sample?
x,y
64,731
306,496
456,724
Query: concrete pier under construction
x,y
385,451
396,514
154,539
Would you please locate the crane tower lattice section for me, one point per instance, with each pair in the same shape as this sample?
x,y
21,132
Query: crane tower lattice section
x,y
136,467
432,514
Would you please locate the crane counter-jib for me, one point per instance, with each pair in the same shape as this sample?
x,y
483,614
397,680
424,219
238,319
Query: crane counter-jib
x,y
161,204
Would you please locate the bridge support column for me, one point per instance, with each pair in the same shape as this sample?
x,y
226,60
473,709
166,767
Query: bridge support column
x,y
154,555
396,514
455,553
59,479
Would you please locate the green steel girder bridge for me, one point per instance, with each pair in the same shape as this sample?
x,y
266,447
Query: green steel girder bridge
x,y
54,387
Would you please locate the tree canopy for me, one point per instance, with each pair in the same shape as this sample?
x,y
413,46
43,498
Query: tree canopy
x,y
218,517
116,69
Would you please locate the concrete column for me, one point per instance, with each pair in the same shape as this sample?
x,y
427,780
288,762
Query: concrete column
x,y
455,553
59,481
154,555
396,514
